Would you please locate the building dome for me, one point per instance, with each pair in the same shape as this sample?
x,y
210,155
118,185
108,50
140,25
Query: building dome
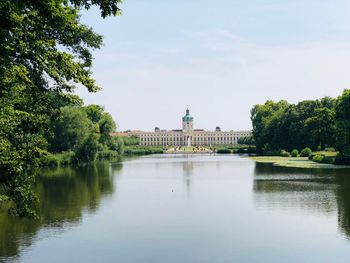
x,y
218,129
187,117
156,129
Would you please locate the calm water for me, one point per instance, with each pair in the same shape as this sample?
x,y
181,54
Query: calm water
x,y
195,208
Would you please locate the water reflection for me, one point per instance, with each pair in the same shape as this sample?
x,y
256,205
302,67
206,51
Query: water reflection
x,y
343,201
190,208
187,170
312,190
64,196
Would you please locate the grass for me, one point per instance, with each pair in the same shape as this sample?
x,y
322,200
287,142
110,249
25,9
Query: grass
x,y
295,162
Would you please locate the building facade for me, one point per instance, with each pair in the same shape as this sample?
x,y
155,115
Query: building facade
x,y
188,136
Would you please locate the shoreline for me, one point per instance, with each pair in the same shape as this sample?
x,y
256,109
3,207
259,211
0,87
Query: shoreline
x,y
295,162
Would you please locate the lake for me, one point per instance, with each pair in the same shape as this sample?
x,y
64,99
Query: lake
x,y
184,208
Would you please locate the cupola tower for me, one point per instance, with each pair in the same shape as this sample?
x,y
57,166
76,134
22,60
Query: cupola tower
x,y
187,122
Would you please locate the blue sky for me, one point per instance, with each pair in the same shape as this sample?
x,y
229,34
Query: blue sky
x,y
219,57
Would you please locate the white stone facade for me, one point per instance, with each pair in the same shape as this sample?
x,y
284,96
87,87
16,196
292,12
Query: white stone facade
x,y
189,136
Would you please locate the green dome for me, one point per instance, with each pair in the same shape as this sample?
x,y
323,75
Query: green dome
x,y
187,117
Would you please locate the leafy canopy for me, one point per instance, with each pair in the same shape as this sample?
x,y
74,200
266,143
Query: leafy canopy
x,y
44,53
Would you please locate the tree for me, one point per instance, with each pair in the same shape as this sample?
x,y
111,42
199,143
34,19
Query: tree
x,y
71,129
280,125
343,123
264,118
119,145
321,127
44,52
248,140
105,122
87,151
94,112
107,125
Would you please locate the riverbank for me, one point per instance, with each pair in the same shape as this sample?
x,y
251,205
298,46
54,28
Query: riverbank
x,y
188,149
295,162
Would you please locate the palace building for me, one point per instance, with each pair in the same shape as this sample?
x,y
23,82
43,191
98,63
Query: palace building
x,y
188,136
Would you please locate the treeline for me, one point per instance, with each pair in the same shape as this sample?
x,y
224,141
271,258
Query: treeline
x,y
316,124
81,134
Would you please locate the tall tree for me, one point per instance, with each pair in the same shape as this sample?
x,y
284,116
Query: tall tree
x,y
71,129
343,122
44,52
322,128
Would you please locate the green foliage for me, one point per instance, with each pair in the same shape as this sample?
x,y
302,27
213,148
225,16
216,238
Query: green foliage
x,y
316,124
104,121
87,151
239,148
294,153
280,125
342,159
119,145
248,140
244,150
49,160
44,52
224,150
94,112
343,123
78,128
107,125
107,154
71,129
129,141
284,153
321,158
306,152
66,158
265,119
321,127
318,158
143,150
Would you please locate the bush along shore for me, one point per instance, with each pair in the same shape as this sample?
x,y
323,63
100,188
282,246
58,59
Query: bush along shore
x,y
122,147
239,149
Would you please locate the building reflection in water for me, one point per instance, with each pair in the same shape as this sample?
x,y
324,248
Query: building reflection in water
x,y
187,171
312,190
64,194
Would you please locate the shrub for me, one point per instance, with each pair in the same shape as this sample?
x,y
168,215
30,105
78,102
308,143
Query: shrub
x,y
107,154
318,158
224,150
321,158
87,151
306,152
143,150
328,159
49,160
66,158
284,153
295,153
312,156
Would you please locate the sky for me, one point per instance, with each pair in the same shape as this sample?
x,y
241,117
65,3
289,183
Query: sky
x,y
220,58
